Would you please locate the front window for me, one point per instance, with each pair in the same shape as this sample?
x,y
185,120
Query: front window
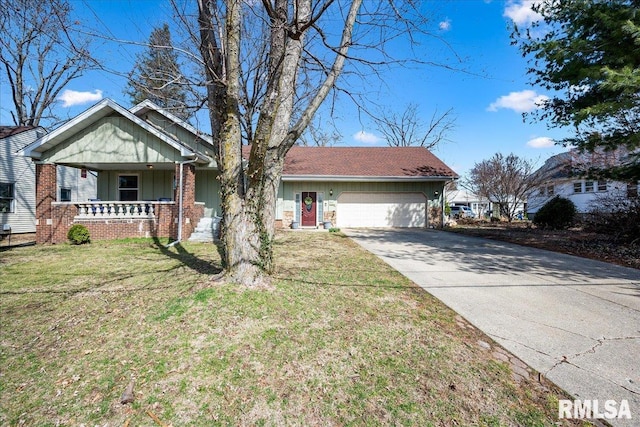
x,y
588,187
7,197
128,188
632,189
65,194
577,187
602,185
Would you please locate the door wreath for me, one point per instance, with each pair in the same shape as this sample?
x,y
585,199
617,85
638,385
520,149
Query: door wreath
x,y
308,202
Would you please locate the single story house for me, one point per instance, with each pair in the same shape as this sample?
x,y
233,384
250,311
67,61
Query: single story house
x,y
561,175
456,196
156,176
18,183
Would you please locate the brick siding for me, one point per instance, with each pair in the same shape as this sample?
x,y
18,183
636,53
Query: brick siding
x,y
55,219
46,178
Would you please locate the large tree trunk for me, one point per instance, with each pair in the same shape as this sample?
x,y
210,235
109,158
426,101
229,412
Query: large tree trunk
x,y
249,198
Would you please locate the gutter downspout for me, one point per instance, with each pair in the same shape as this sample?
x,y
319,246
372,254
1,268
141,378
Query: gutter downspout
x,y
180,190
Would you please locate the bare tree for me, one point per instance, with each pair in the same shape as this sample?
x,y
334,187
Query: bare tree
x,y
320,134
507,181
40,54
408,129
309,43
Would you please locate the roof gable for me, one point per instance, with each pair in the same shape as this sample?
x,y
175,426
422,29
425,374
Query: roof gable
x,y
147,105
84,120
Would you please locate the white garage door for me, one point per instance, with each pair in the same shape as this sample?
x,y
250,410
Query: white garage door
x,y
381,210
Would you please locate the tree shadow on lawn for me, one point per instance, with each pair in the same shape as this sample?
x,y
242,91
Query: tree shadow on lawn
x,y
190,260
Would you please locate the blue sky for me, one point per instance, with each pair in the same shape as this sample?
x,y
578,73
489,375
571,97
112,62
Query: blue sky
x,y
487,100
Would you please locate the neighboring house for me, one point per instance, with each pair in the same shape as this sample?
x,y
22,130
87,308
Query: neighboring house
x,y
156,176
18,184
462,197
561,177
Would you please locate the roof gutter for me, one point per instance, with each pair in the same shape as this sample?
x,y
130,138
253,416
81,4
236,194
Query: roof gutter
x,y
344,178
179,239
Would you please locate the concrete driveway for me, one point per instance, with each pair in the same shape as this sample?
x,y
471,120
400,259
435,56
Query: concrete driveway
x,y
574,320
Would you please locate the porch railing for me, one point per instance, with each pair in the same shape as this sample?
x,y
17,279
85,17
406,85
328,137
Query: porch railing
x,y
116,209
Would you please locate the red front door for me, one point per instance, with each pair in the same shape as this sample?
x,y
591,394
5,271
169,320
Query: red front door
x,y
308,207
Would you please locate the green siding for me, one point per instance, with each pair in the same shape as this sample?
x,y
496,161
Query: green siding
x,y
179,133
112,140
288,189
208,191
152,185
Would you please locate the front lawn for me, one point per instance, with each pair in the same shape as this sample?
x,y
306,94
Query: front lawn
x,y
338,339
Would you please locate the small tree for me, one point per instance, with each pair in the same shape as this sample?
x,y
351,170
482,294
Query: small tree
x,y
156,75
504,180
557,214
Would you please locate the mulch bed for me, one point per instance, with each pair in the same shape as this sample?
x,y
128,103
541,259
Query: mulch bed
x,y
573,241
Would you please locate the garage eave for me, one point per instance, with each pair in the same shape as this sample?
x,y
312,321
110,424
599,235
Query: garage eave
x,y
342,178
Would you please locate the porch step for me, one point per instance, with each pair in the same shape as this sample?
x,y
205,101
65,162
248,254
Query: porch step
x,y
207,230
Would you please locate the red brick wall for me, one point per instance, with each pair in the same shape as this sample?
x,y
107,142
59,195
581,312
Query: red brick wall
x,y
45,195
55,220
191,214
163,225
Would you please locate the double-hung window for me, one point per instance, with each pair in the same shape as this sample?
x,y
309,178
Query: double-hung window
x,y
577,187
65,194
7,197
128,188
588,186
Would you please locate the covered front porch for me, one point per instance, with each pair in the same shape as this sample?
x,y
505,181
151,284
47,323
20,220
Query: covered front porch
x,y
174,217
145,161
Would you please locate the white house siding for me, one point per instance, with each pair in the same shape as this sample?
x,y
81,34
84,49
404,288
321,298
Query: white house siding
x,y
21,171
82,189
584,201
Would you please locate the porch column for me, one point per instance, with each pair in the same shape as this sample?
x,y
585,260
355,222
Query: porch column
x,y
188,198
46,179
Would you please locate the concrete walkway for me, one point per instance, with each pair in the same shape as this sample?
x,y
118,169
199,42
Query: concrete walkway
x,y
576,321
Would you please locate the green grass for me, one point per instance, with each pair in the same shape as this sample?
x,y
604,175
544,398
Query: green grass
x,y
338,339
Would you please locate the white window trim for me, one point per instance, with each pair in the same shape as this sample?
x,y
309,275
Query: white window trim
x,y
297,200
65,189
137,175
12,199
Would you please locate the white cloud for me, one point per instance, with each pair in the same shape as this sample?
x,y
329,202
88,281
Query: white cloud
x,y
366,137
70,98
541,142
526,100
445,25
520,11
